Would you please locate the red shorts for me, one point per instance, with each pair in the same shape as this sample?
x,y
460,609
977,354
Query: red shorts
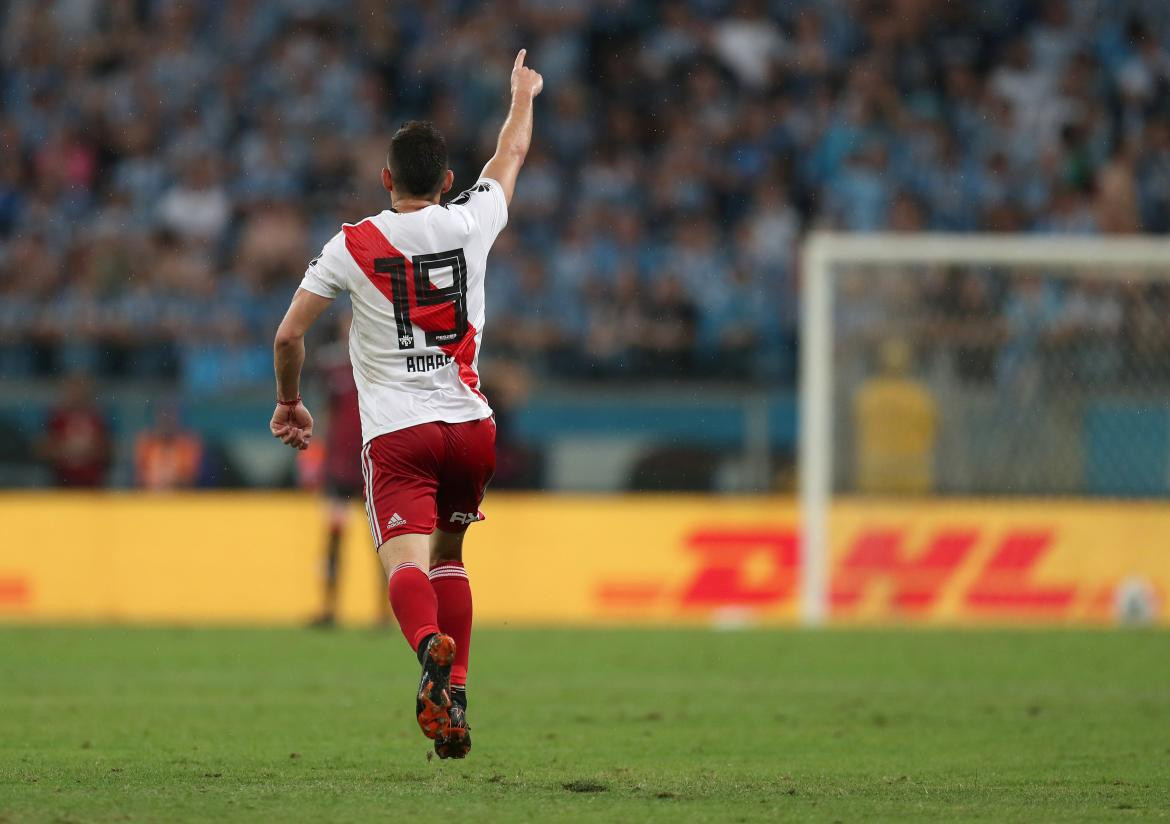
x,y
426,471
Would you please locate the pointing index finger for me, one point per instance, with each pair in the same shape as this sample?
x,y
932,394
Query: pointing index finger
x,y
520,58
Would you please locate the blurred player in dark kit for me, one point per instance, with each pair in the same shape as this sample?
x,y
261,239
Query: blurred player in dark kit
x,y
336,467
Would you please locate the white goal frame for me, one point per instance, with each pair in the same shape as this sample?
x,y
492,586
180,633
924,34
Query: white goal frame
x,y
1131,256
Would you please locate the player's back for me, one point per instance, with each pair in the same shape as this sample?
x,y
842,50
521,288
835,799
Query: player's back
x,y
416,283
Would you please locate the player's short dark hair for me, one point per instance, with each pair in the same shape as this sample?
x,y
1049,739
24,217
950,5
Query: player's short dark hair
x,y
417,159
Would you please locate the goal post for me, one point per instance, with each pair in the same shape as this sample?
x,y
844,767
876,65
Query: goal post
x,y
1120,259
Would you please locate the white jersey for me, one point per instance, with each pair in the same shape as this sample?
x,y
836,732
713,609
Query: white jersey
x,y
416,283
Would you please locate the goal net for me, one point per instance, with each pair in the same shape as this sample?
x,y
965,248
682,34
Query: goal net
x,y
978,366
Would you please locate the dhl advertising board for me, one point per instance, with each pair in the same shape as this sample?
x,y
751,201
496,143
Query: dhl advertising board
x,y
542,559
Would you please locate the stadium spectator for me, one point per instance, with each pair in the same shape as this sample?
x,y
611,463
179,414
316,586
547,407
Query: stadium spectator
x,y
970,324
197,206
666,345
165,456
518,465
895,419
1031,314
77,443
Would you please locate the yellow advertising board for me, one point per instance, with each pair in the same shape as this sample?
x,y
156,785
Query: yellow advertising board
x,y
548,559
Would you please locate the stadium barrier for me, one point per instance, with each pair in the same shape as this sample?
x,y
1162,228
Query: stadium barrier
x,y
231,558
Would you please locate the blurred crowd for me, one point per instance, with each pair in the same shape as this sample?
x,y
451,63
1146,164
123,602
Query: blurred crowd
x,y
168,167
1019,332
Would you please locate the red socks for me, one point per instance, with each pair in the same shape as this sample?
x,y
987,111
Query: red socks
x,y
453,590
413,600
422,606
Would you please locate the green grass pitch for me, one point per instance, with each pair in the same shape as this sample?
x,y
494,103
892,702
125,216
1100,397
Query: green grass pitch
x,y
114,725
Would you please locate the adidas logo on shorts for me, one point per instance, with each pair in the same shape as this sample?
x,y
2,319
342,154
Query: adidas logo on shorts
x,y
395,520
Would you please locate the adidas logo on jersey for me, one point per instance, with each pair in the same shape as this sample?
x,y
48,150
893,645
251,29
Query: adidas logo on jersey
x,y
395,521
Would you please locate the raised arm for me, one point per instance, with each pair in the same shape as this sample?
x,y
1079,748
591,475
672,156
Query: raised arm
x,y
291,422
516,133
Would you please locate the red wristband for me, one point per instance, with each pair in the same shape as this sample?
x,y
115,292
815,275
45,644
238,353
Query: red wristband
x,y
279,402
